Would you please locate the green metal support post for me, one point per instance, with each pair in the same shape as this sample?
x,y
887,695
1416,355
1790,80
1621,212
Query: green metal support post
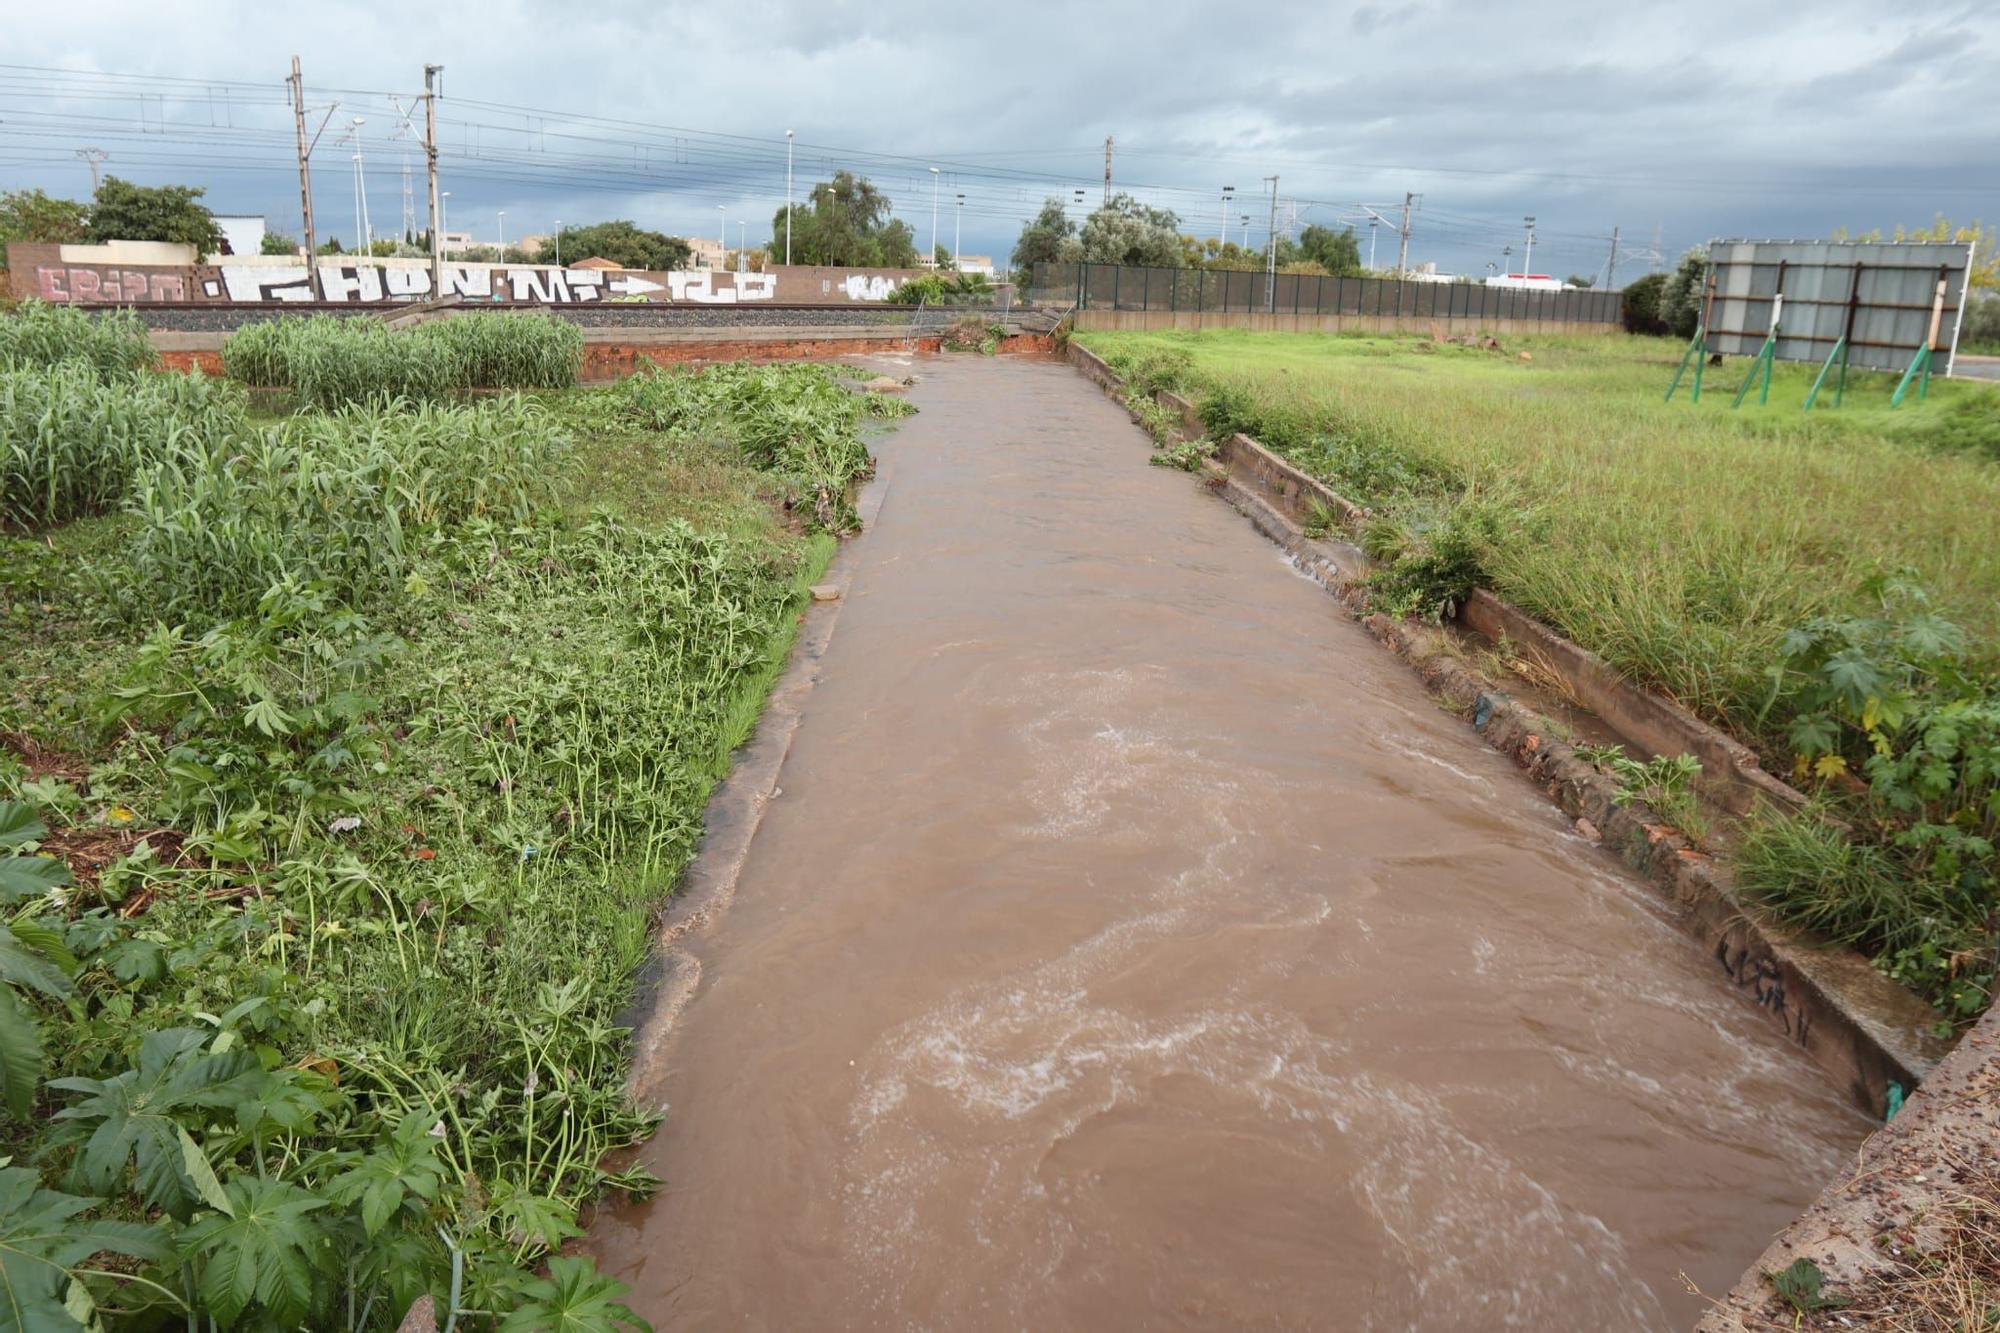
x,y
1761,365
1839,353
1921,363
1699,343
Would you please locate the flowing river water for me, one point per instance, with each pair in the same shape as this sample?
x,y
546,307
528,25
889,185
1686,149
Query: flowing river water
x,y
1134,942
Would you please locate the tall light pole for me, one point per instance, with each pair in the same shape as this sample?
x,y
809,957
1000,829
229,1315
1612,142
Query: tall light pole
x,y
444,216
361,190
559,262
742,243
788,197
1246,231
957,229
1373,223
1528,255
1227,191
934,203
722,237
1507,261
503,235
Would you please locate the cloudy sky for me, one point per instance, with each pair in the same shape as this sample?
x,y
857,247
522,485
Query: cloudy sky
x,y
1674,123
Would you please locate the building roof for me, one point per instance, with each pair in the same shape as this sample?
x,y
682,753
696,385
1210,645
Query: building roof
x,y
597,262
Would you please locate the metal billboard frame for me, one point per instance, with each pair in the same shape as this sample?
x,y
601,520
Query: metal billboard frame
x,y
1877,305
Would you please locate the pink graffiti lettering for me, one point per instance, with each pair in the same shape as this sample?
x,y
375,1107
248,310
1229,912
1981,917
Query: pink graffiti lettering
x,y
169,287
84,285
49,282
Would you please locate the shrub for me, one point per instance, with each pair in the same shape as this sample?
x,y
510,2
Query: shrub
x,y
36,333
70,441
1680,295
944,289
1980,331
1639,306
340,500
328,361
791,419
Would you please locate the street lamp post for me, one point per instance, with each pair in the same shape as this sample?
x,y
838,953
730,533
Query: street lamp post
x,y
742,243
1528,255
559,262
444,217
722,237
788,197
1227,191
957,229
503,235
934,204
361,191
1507,261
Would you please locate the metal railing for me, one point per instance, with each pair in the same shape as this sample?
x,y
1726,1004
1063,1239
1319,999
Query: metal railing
x,y
1130,287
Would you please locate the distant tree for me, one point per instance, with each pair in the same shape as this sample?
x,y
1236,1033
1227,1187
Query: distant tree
x,y
941,258
383,247
1042,241
1306,268
1680,297
331,246
625,244
1578,280
1338,252
1639,305
846,221
35,217
123,211
1125,231
277,243
1984,240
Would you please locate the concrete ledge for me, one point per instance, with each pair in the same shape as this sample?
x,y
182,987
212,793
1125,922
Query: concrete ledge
x,y
1909,1175
1862,1029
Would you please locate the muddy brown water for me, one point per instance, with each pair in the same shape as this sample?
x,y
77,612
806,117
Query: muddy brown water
x,y
1134,942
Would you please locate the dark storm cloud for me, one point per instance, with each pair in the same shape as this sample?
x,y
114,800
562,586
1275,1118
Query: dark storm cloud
x,y
1706,118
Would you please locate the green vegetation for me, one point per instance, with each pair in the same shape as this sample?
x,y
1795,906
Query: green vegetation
x,y
328,361
944,289
846,221
624,243
1821,584
122,211
344,757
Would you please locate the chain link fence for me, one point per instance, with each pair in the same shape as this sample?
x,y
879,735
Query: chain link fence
x,y
1220,291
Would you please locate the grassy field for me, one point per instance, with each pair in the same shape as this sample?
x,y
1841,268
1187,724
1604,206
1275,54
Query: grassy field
x,y
1826,584
345,756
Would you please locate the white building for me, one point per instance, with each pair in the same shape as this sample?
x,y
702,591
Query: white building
x,y
243,232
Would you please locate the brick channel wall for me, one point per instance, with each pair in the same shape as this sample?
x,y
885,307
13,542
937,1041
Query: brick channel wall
x,y
613,360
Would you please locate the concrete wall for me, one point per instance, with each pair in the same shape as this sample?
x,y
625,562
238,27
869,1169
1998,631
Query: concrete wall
x,y
1450,326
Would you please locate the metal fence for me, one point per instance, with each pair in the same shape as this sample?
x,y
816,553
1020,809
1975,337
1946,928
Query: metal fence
x,y
1126,287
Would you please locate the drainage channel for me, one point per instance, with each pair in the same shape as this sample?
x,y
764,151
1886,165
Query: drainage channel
x,y
1133,941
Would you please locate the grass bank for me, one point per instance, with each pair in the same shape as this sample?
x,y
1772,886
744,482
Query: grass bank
x,y
344,760
1823,584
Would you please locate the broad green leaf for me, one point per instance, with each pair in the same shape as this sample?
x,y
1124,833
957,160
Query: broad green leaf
x,y
42,1243
573,1298
30,876
265,1252
194,1163
132,1117
406,1165
20,1054
26,966
18,824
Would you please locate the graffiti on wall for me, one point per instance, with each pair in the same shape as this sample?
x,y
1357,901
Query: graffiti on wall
x,y
364,282
93,283
371,283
